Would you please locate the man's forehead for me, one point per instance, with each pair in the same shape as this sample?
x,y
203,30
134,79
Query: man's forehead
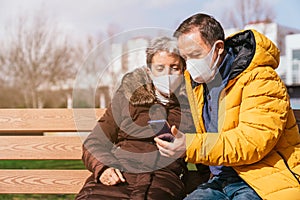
x,y
189,42
189,37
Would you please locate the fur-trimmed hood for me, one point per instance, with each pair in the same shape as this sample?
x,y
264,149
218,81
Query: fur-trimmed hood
x,y
138,88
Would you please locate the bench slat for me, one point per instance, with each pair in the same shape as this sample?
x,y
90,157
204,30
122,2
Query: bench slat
x,y
48,120
41,147
42,181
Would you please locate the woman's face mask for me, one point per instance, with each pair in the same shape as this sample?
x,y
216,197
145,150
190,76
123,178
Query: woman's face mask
x,y
166,72
201,69
167,84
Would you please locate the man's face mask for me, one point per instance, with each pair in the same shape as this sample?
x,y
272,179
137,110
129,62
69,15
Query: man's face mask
x,y
200,69
167,84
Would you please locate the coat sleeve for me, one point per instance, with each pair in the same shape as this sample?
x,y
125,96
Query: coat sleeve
x,y
262,107
97,147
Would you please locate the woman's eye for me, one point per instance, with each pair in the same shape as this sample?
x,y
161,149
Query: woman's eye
x,y
175,68
159,68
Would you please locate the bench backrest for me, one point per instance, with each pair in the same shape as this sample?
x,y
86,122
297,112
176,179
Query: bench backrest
x,y
24,137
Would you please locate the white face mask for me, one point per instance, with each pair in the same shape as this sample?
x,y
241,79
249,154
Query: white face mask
x,y
200,69
167,84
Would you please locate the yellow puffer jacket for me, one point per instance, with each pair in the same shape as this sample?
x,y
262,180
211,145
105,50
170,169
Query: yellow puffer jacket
x,y
258,135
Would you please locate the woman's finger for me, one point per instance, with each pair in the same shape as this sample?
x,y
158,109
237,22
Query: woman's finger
x,y
106,177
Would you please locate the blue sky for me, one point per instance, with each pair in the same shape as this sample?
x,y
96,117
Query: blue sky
x,y
92,16
287,12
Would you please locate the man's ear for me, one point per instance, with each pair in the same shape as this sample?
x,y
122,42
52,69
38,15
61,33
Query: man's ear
x,y
220,46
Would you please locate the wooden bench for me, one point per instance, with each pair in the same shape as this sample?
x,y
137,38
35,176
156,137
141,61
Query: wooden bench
x,y
26,135
23,138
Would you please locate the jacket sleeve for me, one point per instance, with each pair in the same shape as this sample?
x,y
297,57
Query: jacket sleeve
x,y
262,105
97,147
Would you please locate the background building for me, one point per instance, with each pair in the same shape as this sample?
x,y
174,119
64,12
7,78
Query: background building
x,y
286,40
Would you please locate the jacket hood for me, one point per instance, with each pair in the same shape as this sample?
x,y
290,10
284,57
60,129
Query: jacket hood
x,y
251,49
138,89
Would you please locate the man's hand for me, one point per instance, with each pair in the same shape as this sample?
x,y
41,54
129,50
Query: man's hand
x,y
173,149
111,176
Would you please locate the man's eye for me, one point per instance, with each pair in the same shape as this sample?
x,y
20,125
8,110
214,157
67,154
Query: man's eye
x,y
196,56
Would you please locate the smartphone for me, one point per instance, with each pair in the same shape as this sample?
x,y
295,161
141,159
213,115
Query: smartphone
x,y
162,129
160,126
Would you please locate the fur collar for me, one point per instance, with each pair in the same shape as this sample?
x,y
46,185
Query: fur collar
x,y
138,89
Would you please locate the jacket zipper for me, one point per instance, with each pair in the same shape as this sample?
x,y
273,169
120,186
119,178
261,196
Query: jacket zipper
x,y
297,176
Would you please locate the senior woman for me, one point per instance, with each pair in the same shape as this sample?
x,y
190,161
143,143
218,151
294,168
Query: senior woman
x,y
120,151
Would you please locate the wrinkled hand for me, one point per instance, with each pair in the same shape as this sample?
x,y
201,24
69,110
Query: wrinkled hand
x,y
111,176
173,149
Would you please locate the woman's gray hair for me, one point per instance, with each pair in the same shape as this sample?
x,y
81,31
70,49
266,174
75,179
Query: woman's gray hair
x,y
162,44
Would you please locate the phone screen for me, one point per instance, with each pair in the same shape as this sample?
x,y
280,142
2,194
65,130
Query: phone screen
x,y
160,126
162,129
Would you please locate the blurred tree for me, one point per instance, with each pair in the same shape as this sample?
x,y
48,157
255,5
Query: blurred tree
x,y
97,71
243,12
36,56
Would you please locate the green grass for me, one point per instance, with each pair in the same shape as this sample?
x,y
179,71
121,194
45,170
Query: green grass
x,y
191,167
41,164
34,164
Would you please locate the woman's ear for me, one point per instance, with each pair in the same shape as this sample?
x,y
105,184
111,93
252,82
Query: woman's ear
x,y
148,70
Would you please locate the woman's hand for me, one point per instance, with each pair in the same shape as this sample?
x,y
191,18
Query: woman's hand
x,y
111,176
173,149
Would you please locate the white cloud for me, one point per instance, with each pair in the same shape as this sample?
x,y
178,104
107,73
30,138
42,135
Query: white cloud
x,y
92,16
159,3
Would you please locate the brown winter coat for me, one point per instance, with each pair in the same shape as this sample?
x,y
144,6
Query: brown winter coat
x,y
123,139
